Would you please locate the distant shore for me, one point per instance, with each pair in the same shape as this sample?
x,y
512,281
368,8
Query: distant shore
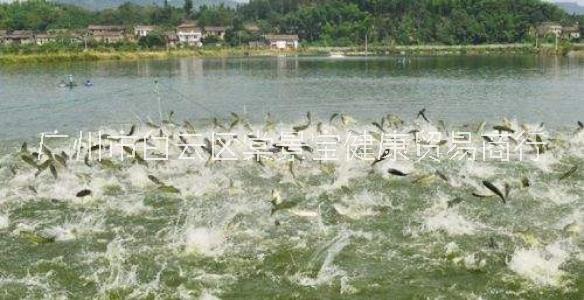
x,y
431,50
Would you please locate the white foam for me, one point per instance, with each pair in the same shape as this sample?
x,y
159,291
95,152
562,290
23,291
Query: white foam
x,y
449,221
4,221
541,266
205,241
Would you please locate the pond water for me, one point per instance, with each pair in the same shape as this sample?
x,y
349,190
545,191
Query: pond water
x,y
456,89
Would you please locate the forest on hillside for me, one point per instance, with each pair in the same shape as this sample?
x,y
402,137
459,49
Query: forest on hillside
x,y
327,22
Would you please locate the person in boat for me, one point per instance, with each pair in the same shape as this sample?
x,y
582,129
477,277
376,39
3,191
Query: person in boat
x,y
69,83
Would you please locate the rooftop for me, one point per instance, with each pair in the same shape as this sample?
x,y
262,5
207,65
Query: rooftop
x,y
144,27
215,28
282,37
105,27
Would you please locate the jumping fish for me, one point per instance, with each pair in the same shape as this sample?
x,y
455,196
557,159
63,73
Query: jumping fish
x,y
495,190
396,172
83,193
422,113
501,128
132,130
53,171
569,173
300,128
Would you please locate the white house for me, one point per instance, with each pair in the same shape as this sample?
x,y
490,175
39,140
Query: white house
x,y
218,31
189,34
143,30
282,41
572,32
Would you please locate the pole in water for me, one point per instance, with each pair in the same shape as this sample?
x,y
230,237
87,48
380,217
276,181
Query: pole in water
x,y
157,91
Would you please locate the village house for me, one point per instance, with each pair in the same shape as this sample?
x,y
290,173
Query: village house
x,y
571,32
256,44
252,28
106,34
44,38
143,30
282,41
20,37
549,28
217,31
189,34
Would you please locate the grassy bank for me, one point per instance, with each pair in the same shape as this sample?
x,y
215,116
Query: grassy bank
x,y
94,55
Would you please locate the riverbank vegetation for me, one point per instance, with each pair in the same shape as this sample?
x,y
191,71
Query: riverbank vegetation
x,y
105,53
323,22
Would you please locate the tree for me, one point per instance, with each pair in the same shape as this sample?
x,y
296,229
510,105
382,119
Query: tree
x,y
188,7
153,40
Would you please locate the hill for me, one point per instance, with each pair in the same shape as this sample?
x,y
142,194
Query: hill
x,y
103,4
571,7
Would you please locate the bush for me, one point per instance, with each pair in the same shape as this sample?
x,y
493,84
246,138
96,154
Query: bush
x,y
153,40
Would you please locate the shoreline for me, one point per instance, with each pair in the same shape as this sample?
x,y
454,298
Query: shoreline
x,y
419,50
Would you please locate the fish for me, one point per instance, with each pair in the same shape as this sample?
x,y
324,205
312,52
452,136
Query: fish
x,y
32,189
155,180
333,117
86,160
47,151
99,147
540,144
507,190
189,127
347,120
425,179
379,126
495,190
29,160
216,124
61,160
442,176
150,124
481,127
83,193
235,121
36,238
43,167
24,148
488,139
132,130
53,171
168,189
501,128
276,197
291,169
442,124
108,164
382,157
169,119
278,203
422,113
454,201
131,152
106,136
300,128
571,172
396,172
